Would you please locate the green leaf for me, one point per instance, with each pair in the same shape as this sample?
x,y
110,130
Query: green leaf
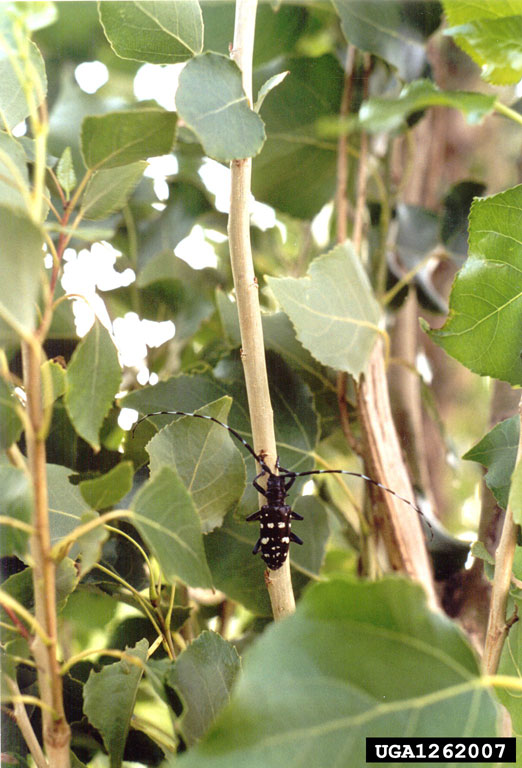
x,y
333,309
22,72
17,503
10,422
89,234
234,570
88,548
314,531
105,491
490,33
122,138
479,550
186,203
296,420
211,101
237,573
484,327
496,45
387,30
65,172
20,587
66,504
75,762
157,32
14,178
109,697
279,336
515,493
349,664
379,114
497,451
462,11
54,382
22,267
278,28
296,169
203,676
166,518
206,460
457,205
108,190
268,86
509,664
183,393
71,107
93,378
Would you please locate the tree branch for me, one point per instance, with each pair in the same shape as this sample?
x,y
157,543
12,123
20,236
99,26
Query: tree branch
x,y
399,525
56,732
278,582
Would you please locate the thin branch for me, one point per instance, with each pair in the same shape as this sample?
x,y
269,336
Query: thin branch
x,y
341,205
341,200
278,582
10,605
362,171
56,732
497,623
24,724
17,624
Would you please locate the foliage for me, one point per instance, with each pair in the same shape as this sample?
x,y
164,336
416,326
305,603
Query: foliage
x,y
146,529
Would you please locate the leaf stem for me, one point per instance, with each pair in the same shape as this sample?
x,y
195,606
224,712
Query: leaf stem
x,y
508,112
437,253
142,602
60,550
14,523
278,582
155,732
122,655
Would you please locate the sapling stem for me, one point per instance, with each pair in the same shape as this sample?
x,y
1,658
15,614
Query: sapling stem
x,y
56,732
278,582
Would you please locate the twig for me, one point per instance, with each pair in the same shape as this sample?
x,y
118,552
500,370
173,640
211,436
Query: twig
x,y
56,732
341,201
362,171
26,729
497,624
17,624
278,582
341,205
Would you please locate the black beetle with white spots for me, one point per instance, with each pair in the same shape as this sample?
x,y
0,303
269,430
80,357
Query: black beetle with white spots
x,y
275,517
